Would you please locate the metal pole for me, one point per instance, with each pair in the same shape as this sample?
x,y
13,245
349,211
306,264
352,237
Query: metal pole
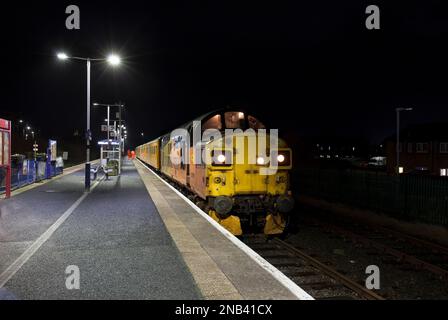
x,y
108,117
87,176
398,142
8,167
120,137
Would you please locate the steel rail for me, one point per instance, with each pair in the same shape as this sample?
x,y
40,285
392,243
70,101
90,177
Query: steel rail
x,y
347,282
401,256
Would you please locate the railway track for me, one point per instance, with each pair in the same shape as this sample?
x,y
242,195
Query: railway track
x,y
314,276
404,249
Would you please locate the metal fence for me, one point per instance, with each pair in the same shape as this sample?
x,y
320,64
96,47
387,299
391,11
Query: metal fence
x,y
27,172
413,198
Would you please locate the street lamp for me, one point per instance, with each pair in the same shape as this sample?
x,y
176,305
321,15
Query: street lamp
x,y
62,56
397,147
112,59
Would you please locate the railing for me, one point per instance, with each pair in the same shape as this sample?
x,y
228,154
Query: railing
x,y
28,172
413,198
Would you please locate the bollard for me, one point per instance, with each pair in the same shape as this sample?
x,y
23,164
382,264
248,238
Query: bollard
x,y
87,178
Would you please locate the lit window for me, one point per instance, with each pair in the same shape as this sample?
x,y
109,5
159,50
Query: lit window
x,y
400,169
443,172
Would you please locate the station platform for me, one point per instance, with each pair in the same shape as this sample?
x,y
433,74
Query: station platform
x,y
130,237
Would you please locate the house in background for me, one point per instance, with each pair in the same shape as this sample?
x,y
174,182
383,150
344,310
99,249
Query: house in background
x,y
423,149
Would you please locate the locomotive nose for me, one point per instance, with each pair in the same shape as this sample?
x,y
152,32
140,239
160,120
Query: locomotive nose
x,y
285,204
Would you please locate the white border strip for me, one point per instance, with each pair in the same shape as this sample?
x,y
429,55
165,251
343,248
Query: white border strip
x,y
277,274
6,275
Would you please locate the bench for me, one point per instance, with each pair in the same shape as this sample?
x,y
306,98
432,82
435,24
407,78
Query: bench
x,y
98,168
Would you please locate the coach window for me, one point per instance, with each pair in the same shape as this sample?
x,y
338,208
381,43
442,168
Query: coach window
x,y
234,120
213,123
254,123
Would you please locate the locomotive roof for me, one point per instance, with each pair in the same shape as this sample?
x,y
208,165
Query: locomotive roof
x,y
207,116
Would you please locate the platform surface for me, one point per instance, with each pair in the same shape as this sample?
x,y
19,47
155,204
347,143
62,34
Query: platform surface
x,y
131,237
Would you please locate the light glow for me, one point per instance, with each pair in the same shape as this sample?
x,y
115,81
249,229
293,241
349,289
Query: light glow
x,y
280,158
114,59
62,56
221,158
260,161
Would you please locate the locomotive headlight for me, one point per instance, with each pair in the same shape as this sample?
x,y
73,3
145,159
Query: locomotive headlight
x,y
283,157
260,161
221,158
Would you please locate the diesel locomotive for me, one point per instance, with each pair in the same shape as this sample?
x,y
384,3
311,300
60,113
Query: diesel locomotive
x,y
229,164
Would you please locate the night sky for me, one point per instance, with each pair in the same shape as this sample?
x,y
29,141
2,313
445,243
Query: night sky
x,y
307,67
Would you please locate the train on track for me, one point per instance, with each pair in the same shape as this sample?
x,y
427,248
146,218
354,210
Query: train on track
x,y
231,166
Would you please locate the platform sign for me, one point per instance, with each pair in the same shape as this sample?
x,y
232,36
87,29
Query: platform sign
x,y
5,141
5,153
104,128
52,146
5,125
51,156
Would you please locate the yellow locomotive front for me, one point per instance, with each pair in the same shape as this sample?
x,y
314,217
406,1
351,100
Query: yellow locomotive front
x,y
246,174
244,187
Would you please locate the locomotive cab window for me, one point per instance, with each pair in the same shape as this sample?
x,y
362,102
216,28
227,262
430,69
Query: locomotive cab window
x,y
234,120
254,123
213,123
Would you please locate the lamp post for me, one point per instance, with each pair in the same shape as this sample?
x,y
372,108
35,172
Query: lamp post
x,y
397,146
113,60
